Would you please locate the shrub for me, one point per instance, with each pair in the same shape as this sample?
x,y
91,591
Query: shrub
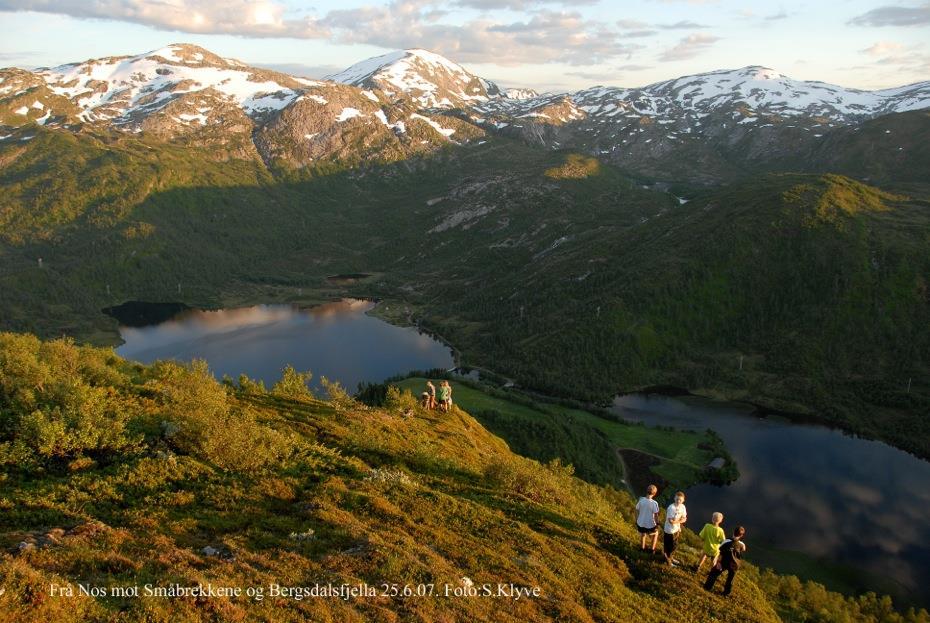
x,y
293,385
399,400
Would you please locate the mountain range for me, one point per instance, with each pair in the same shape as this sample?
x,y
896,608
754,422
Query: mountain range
x,y
413,101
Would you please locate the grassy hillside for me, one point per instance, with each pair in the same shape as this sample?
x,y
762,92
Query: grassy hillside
x,y
800,293
116,475
603,450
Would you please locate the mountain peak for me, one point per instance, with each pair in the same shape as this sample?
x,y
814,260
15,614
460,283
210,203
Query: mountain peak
x,y
430,79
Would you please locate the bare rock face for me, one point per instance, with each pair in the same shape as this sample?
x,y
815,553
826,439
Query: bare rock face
x,y
25,98
347,124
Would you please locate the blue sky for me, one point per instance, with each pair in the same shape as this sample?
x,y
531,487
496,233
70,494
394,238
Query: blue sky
x,y
545,44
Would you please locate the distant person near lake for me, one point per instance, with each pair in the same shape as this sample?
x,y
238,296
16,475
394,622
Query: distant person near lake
x,y
675,517
712,535
431,390
731,551
445,396
647,518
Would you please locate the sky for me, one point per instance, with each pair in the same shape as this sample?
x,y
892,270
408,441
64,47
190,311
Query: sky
x,y
549,45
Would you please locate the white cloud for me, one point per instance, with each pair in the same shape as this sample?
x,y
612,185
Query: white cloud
x,y
689,47
883,48
905,59
543,36
894,16
252,18
547,36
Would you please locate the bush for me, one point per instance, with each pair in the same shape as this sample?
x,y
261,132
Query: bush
x,y
293,385
547,483
199,421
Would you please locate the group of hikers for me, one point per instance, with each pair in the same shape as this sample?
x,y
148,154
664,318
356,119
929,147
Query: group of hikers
x,y
724,553
428,398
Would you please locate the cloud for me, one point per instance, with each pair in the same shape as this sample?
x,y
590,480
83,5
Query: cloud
x,y
909,60
631,24
638,34
682,25
543,36
547,36
689,47
776,16
518,5
637,26
634,67
894,16
883,48
253,18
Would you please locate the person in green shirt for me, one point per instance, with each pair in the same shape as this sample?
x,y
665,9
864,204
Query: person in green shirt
x,y
712,535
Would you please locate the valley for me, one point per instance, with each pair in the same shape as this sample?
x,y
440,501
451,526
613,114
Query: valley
x,y
739,235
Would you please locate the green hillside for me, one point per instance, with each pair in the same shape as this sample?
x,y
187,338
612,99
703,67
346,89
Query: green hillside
x,y
602,448
117,475
801,293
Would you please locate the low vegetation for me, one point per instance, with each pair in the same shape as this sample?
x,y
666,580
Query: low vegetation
x,y
804,294
594,443
116,475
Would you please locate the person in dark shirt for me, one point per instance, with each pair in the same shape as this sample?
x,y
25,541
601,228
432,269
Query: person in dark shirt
x,y
731,552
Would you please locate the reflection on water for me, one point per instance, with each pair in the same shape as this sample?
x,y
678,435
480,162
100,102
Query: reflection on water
x,y
811,489
336,340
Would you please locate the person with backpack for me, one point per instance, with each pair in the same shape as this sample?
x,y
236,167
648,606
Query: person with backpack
x,y
731,552
675,517
712,535
647,518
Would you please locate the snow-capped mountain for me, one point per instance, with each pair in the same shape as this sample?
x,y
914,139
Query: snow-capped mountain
x,y
187,93
431,80
410,101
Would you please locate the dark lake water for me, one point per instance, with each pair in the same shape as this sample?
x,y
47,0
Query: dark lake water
x,y
812,490
336,340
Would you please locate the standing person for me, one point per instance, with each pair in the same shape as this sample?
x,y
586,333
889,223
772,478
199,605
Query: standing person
x,y
712,535
675,516
731,552
647,518
445,396
432,394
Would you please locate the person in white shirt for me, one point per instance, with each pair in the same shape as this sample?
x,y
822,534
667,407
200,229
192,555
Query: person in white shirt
x,y
647,518
675,516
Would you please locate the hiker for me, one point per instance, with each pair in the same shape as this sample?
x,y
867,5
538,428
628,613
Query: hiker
x,y
425,400
647,518
712,535
431,389
731,551
445,396
675,516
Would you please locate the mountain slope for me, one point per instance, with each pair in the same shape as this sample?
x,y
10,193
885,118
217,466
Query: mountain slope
x,y
700,129
161,477
552,268
431,80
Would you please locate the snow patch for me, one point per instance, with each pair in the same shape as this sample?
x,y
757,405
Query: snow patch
x,y
348,113
447,132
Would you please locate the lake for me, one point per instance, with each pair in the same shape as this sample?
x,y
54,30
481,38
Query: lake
x,y
804,492
337,340
812,490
